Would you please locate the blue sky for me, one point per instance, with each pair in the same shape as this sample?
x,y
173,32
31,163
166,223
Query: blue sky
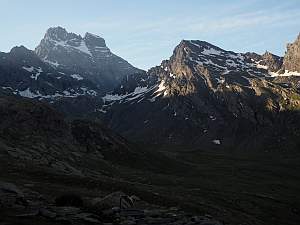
x,y
145,32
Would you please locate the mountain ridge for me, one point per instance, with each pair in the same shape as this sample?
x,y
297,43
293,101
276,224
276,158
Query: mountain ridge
x,y
206,90
201,87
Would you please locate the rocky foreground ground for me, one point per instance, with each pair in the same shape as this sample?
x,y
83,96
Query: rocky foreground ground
x,y
22,205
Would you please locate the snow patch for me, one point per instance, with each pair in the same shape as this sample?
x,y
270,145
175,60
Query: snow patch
x,y
172,75
7,88
102,49
110,97
55,64
227,71
216,142
231,63
138,92
285,74
76,77
259,66
31,69
28,69
220,80
83,48
236,56
91,92
161,88
35,76
27,93
102,110
209,62
211,51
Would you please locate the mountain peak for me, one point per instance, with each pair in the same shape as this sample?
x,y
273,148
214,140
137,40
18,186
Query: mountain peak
x,y
271,61
196,44
88,56
199,43
60,34
197,47
267,53
90,35
201,52
20,48
21,51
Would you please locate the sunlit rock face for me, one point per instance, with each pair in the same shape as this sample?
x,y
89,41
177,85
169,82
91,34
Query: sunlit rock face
x,y
291,60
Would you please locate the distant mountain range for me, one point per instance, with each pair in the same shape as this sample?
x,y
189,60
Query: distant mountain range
x,y
202,96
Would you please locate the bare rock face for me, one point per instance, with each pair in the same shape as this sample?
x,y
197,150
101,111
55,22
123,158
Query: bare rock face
x,y
291,60
273,62
268,60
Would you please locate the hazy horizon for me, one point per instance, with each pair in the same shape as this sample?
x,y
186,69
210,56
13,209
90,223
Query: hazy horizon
x,y
145,33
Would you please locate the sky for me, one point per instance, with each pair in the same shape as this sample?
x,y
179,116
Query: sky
x,y
145,32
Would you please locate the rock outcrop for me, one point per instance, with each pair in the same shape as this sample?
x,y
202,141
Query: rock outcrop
x,y
273,62
291,60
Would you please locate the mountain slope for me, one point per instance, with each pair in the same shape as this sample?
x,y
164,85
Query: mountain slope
x,y
23,73
63,66
34,133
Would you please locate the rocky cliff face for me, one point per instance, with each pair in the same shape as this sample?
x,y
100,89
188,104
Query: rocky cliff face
x,y
88,56
291,60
